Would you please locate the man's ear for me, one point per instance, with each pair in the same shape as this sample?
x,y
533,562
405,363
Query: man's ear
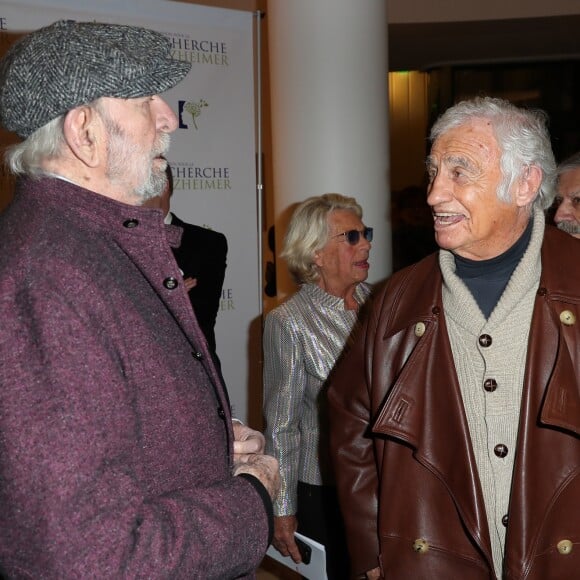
x,y
528,186
83,131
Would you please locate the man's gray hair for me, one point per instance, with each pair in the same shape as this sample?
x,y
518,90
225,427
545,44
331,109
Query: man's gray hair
x,y
308,232
572,162
28,157
522,136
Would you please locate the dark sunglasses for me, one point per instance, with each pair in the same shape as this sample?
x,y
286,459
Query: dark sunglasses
x,y
353,236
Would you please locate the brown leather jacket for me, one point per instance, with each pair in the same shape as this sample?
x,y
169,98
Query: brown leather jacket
x,y
405,468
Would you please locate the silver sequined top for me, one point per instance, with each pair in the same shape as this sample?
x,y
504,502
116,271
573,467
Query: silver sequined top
x,y
302,341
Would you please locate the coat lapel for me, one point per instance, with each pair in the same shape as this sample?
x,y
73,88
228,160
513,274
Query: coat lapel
x,y
424,407
547,458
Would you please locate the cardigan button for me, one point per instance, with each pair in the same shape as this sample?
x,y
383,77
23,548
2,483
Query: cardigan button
x,y
485,340
131,223
490,385
567,317
221,413
170,283
420,546
564,547
197,355
500,450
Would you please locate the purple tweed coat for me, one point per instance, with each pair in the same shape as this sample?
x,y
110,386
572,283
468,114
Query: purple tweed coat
x,y
115,430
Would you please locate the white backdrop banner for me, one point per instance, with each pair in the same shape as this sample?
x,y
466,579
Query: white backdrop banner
x,y
213,149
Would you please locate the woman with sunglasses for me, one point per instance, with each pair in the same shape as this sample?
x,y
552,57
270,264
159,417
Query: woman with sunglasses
x,y
326,249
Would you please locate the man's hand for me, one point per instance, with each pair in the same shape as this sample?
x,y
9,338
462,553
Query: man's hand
x,y
284,528
374,574
262,467
249,458
190,283
247,440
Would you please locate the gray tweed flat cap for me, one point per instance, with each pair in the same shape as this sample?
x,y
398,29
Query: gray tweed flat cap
x,y
57,68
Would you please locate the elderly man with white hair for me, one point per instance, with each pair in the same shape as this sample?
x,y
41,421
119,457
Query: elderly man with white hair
x,y
455,418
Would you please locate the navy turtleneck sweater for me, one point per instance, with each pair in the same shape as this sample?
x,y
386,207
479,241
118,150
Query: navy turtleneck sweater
x,y
487,279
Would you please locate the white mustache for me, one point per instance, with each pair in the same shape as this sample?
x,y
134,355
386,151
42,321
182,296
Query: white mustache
x,y
162,146
569,227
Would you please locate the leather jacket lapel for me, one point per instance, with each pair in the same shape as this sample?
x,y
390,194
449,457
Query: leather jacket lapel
x,y
424,408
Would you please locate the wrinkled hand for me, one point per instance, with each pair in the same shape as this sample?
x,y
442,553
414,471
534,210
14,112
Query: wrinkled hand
x,y
190,283
284,542
263,467
247,440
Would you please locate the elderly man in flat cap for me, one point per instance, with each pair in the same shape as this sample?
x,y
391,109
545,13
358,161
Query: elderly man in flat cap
x,y
118,458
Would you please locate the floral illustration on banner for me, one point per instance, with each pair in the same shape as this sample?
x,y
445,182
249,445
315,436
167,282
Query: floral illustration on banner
x,y
195,109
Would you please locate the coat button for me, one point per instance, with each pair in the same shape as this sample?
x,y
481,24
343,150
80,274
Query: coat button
x,y
542,291
485,340
504,520
500,450
419,329
420,546
567,317
197,355
131,223
170,283
490,385
565,547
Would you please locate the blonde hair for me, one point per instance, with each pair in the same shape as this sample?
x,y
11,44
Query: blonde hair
x,y
308,232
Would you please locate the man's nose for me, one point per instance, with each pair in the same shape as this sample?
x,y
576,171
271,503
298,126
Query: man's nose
x,y
166,119
437,191
564,212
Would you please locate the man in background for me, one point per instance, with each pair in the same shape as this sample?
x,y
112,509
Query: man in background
x,y
118,458
201,256
455,417
567,216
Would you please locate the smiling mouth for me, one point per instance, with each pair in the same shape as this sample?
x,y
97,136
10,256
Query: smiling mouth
x,y
443,219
